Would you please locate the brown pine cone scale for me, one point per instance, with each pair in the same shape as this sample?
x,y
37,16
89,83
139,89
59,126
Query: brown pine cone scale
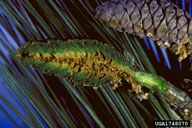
x,y
160,21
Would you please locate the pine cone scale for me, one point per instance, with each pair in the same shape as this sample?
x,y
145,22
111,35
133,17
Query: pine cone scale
x,y
156,20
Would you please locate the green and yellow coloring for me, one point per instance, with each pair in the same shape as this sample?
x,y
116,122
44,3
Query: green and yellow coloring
x,y
151,81
86,62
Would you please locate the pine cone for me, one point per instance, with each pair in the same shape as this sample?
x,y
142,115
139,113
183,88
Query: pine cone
x,y
160,21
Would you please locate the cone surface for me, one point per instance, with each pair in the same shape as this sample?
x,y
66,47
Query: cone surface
x,y
152,19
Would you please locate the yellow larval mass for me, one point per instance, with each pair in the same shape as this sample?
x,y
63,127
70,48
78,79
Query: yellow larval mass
x,y
183,49
96,65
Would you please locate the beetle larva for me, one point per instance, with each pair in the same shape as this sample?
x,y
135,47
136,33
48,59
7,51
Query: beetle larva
x,y
160,21
86,62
